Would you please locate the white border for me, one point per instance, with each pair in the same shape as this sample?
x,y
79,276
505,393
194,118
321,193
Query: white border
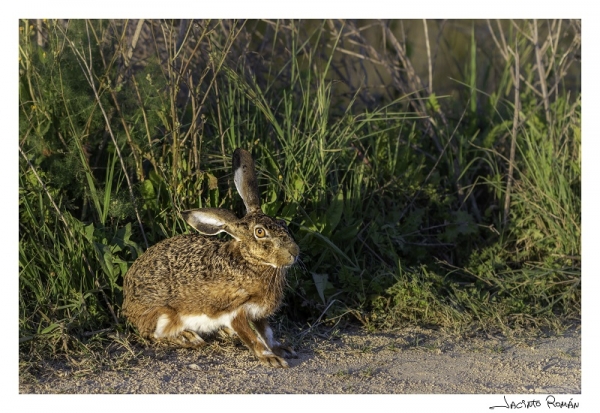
x,y
304,9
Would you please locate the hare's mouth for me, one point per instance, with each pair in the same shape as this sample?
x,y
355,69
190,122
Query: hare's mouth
x,y
291,261
270,264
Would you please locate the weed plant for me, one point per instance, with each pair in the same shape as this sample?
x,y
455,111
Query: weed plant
x,y
457,205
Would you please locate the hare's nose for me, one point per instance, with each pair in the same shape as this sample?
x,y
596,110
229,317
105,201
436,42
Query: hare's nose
x,y
292,260
295,254
295,251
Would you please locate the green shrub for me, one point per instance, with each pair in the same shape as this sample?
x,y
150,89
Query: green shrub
x,y
396,195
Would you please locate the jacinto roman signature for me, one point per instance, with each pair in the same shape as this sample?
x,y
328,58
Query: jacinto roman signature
x,y
550,402
519,405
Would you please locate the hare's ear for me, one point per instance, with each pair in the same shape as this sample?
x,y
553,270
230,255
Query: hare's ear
x,y
244,176
211,221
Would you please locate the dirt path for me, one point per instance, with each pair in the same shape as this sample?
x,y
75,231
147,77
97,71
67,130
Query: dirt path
x,y
407,361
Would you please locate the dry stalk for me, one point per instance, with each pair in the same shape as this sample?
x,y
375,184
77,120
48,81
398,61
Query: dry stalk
x,y
410,84
89,75
39,30
120,79
506,53
541,72
221,133
513,142
430,86
143,110
413,79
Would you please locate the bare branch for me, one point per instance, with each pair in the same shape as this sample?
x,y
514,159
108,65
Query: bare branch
x,y
541,72
513,143
430,86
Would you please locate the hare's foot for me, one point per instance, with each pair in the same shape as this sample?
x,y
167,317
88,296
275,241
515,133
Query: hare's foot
x,y
268,358
187,339
258,342
226,332
266,334
284,351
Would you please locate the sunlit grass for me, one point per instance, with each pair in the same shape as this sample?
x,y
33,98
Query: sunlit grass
x,y
395,195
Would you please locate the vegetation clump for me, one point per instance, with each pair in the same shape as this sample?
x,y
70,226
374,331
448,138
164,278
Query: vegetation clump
x,y
430,171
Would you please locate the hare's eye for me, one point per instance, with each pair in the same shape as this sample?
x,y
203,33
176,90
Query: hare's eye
x,y
260,232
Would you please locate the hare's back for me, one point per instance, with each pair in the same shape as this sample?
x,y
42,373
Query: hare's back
x,y
174,259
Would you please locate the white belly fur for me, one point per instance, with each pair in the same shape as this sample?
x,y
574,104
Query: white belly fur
x,y
204,324
201,323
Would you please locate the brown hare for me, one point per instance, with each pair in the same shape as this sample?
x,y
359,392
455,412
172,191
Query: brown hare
x,y
191,285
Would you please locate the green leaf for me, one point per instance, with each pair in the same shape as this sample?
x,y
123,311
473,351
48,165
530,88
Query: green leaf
x,y
212,181
147,190
331,245
463,224
433,103
346,234
298,189
320,284
50,328
334,214
89,232
289,210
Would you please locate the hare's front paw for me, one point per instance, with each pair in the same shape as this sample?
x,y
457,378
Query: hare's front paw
x,y
284,351
272,360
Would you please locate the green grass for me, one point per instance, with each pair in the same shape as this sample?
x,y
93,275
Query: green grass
x,y
397,196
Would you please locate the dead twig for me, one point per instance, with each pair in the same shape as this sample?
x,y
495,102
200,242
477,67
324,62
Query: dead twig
x,y
513,143
430,86
541,72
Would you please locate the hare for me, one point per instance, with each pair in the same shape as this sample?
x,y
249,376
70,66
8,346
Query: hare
x,y
191,285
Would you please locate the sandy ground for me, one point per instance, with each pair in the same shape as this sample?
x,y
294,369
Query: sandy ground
x,y
406,361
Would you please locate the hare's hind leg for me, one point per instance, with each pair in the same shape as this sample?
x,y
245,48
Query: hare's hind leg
x,y
266,333
256,343
164,324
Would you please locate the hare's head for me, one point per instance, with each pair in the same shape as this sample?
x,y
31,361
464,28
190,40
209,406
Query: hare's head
x,y
263,240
